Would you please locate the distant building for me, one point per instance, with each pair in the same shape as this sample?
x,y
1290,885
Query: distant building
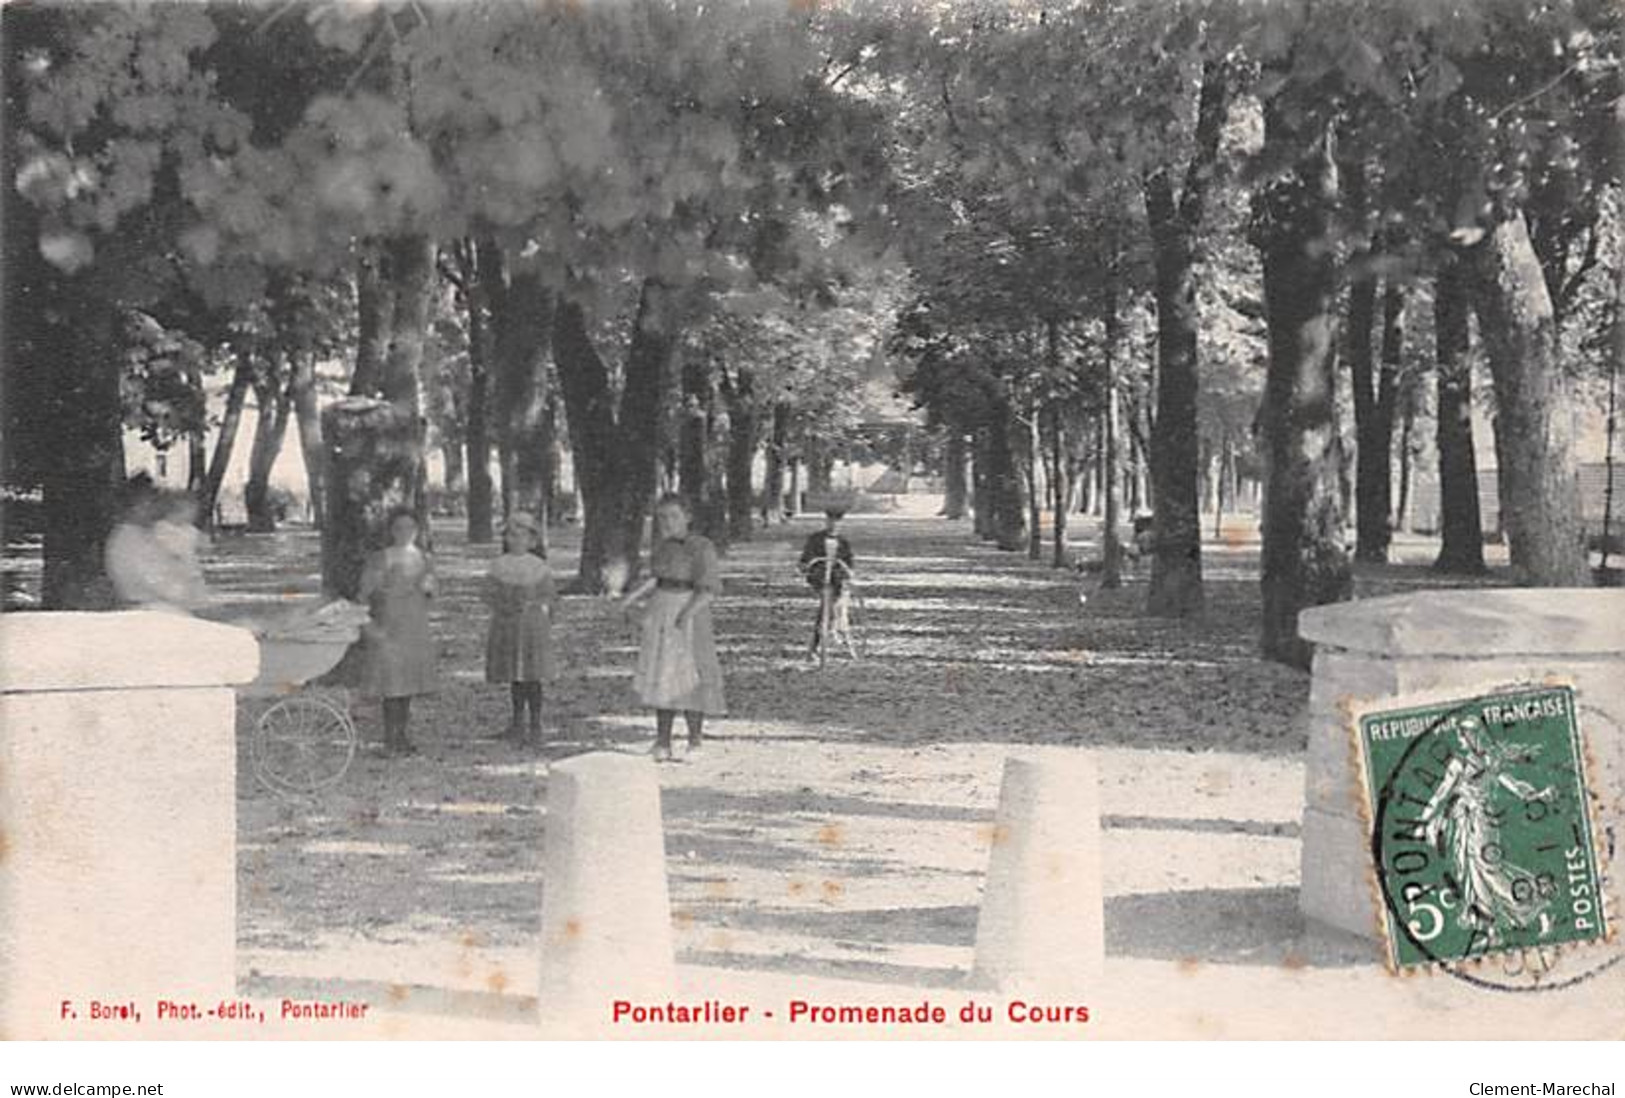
x,y
171,466
1591,448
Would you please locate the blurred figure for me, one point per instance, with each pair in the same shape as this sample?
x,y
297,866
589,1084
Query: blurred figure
x,y
152,554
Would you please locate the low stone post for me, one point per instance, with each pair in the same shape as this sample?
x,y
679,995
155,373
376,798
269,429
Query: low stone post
x,y
1042,919
606,911
118,814
1474,641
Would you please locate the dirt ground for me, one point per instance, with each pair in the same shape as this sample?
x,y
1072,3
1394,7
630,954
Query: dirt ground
x,y
838,823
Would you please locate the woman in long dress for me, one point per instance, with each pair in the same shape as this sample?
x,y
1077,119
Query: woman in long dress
x,y
519,646
678,670
397,583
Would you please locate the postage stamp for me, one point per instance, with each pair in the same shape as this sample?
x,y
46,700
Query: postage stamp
x,y
1484,839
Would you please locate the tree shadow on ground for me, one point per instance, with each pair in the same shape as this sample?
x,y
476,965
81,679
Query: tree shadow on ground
x,y
1240,926
878,972
967,646
1250,927
709,802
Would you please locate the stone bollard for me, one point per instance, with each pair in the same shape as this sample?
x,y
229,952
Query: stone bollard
x,y
606,912
118,815
1471,641
1042,920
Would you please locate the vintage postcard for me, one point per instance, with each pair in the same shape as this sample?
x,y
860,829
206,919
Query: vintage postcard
x,y
812,520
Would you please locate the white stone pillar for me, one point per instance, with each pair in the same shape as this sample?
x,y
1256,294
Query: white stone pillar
x,y
1471,641
118,813
606,912
1042,920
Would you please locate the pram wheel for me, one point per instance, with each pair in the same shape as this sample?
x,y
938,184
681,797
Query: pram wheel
x,y
303,744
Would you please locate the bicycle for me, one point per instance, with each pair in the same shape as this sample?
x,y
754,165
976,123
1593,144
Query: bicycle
x,y
835,603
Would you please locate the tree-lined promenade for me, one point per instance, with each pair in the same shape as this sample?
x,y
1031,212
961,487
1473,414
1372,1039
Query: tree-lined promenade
x,y
1123,257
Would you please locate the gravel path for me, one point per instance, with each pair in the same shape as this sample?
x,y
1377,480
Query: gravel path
x,y
838,824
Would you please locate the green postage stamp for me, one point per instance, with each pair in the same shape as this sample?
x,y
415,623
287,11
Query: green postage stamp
x,y
1482,831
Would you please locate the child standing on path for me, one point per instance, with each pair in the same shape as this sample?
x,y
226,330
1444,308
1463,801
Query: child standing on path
x,y
396,586
519,646
677,659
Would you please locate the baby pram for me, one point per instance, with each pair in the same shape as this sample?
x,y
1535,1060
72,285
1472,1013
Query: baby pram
x,y
304,740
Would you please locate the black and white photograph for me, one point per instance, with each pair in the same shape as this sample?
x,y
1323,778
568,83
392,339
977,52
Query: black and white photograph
x,y
813,520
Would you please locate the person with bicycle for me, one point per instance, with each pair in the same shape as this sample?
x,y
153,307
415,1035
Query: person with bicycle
x,y
827,564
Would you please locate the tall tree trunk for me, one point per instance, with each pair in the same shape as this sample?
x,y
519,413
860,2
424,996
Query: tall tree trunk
x,y
1090,503
1060,486
1136,500
62,426
553,461
451,457
375,314
1374,396
273,405
691,440
1540,502
82,481
1616,366
591,414
1176,567
1392,389
696,450
375,443
412,272
820,467
1305,562
742,432
1056,470
1204,463
1371,447
1032,472
615,448
1005,488
477,438
714,523
1111,549
955,486
226,440
197,449
655,337
1176,563
1460,524
522,309
778,447
309,419
1407,466
983,524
